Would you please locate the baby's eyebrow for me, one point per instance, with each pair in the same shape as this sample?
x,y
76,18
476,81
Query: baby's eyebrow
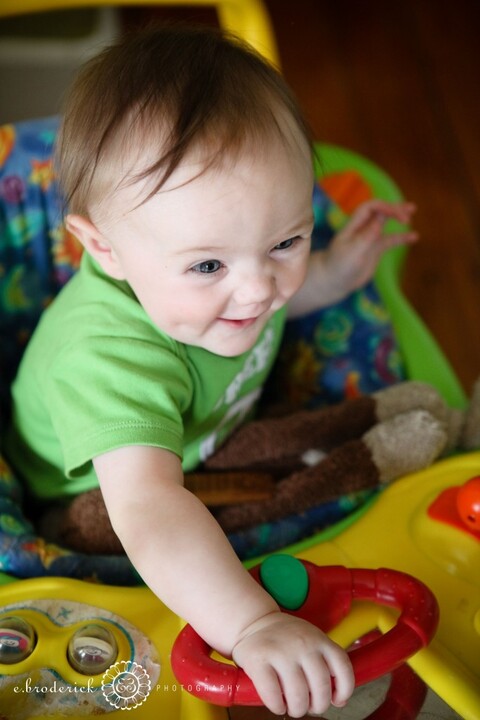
x,y
303,221
298,230
200,249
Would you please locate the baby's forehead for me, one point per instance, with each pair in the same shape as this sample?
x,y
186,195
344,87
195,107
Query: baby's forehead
x,y
133,172
210,180
134,166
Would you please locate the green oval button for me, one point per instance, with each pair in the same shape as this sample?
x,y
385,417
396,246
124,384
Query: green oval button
x,y
286,579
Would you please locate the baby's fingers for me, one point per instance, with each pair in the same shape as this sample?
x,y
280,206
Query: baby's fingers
x,y
302,691
268,687
377,212
320,682
401,211
401,238
343,679
297,692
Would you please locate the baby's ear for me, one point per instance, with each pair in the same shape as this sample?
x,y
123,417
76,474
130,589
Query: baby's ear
x,y
95,244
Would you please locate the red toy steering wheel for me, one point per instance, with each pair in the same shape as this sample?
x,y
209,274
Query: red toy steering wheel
x,y
328,599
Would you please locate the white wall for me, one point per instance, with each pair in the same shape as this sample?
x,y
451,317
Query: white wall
x,y
39,55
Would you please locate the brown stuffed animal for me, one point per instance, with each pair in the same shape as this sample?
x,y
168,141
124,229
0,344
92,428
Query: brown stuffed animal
x,y
275,467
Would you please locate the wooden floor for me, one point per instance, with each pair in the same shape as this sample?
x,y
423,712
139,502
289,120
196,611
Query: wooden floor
x,y
398,82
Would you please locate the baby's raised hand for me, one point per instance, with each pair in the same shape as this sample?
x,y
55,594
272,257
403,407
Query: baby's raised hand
x,y
355,251
296,668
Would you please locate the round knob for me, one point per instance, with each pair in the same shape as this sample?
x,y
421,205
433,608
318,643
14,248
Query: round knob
x,y
17,639
468,503
92,649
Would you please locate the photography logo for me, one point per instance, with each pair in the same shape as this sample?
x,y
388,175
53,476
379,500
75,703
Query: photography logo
x,y
126,685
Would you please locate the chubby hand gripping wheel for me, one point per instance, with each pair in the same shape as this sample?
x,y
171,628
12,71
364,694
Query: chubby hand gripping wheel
x,y
325,599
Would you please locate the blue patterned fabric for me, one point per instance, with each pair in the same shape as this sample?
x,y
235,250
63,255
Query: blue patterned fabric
x,y
37,255
342,351
273,536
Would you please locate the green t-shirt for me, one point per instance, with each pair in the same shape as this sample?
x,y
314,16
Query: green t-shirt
x,y
98,375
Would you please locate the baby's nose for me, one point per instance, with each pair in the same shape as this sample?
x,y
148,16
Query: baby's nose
x,y
255,289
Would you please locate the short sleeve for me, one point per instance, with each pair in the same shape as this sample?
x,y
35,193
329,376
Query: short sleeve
x,y
132,392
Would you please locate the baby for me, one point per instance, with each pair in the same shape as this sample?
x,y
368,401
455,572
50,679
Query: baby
x,y
186,166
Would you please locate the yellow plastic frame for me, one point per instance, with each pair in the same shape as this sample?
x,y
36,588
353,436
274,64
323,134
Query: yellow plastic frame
x,y
246,18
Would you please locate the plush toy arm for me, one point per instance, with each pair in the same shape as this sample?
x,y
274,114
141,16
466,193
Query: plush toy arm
x,y
273,439
343,471
84,525
405,443
268,441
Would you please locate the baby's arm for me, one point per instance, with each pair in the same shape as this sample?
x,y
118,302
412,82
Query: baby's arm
x,y
185,558
353,255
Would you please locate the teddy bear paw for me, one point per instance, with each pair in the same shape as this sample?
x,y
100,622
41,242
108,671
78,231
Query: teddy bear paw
x,y
405,443
407,396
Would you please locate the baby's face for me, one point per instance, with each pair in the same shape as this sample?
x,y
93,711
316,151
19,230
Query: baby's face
x,y
212,259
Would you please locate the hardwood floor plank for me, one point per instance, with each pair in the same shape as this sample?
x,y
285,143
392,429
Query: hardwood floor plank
x,y
313,65
450,37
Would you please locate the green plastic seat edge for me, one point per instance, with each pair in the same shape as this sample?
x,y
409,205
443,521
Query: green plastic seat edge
x,y
423,357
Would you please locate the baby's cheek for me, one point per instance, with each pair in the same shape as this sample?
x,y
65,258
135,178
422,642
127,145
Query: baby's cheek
x,y
299,279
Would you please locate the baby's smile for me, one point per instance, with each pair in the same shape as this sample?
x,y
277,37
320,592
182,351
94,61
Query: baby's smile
x,y
240,324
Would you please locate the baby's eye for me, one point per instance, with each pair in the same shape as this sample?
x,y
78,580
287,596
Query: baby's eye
x,y
207,267
285,244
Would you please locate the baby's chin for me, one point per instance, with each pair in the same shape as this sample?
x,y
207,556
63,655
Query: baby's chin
x,y
235,338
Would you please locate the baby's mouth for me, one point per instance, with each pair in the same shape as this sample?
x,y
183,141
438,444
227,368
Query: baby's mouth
x,y
239,324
